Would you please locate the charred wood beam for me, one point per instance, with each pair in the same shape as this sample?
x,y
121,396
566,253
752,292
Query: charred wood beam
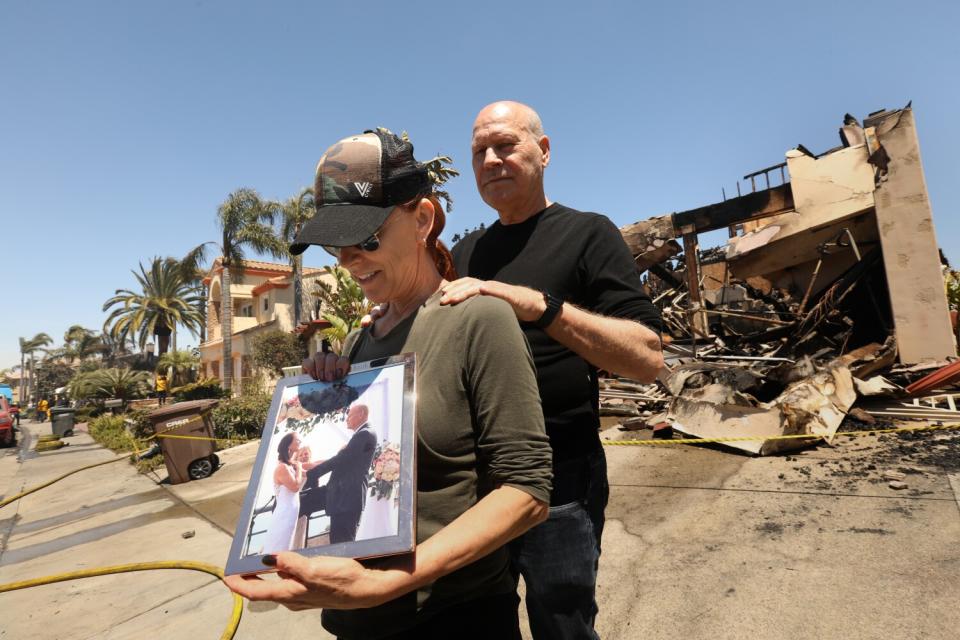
x,y
664,252
666,275
751,206
648,235
835,295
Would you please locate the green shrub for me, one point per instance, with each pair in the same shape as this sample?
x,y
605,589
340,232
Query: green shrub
x,y
111,432
199,390
87,413
140,424
241,418
150,464
276,349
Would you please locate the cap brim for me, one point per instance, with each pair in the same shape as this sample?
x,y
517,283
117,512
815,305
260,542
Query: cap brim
x,y
340,225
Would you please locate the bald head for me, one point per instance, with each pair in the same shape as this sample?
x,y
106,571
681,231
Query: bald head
x,y
510,153
357,416
520,113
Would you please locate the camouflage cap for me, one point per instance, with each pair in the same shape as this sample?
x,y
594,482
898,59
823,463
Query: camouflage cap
x,y
359,181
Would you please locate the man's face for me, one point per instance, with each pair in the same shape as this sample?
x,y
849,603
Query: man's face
x,y
356,417
508,160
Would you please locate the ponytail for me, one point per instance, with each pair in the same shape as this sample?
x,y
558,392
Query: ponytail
x,y
442,258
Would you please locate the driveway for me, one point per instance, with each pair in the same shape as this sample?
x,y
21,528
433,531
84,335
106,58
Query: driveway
x,y
699,543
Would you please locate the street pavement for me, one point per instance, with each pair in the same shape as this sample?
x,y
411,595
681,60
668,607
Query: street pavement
x,y
699,543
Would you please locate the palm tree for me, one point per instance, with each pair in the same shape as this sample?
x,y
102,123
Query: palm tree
x,y
79,343
115,348
192,271
28,348
119,383
246,222
180,363
164,301
295,212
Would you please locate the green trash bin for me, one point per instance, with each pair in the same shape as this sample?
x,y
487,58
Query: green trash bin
x,y
62,421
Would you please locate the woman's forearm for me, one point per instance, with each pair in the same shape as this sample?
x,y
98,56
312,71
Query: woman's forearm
x,y
501,516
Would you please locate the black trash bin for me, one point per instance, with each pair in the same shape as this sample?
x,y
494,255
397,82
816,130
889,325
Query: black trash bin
x,y
61,419
193,457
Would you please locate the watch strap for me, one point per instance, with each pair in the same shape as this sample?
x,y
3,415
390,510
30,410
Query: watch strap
x,y
550,313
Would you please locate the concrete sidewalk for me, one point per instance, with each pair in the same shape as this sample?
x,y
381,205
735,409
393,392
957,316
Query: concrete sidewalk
x,y
111,515
700,543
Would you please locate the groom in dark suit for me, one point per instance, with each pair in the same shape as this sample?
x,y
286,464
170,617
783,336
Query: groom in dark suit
x,y
345,494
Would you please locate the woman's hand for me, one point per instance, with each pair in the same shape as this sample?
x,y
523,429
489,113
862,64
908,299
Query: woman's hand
x,y
312,583
326,367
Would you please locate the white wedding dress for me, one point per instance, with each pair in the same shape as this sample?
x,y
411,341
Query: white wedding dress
x,y
284,520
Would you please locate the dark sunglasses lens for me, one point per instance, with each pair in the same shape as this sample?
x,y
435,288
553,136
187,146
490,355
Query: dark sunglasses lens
x,y
370,244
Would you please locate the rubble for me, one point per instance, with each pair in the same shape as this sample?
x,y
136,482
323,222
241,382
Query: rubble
x,y
815,405
826,296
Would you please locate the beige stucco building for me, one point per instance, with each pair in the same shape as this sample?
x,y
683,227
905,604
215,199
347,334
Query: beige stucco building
x,y
262,300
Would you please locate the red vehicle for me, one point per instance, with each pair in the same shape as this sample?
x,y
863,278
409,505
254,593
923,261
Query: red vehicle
x,y
7,437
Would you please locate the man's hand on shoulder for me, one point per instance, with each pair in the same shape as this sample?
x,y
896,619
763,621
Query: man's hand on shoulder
x,y
527,303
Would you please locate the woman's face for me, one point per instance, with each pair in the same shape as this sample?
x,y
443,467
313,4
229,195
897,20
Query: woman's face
x,y
392,272
293,448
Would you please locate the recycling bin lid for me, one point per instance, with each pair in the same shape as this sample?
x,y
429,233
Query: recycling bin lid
x,y
62,410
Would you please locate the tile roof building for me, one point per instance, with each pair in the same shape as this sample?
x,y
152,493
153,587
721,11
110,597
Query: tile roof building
x,y
261,300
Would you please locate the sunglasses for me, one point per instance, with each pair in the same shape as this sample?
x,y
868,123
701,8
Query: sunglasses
x,y
370,244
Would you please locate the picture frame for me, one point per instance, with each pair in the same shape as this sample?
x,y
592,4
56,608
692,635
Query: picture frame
x,y
350,447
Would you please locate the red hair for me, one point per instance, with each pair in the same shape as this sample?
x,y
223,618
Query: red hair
x,y
442,258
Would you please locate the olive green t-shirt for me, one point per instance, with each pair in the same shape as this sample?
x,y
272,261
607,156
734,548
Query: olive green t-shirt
x,y
479,426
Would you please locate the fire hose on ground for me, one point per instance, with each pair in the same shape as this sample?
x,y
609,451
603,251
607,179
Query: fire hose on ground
x,y
187,565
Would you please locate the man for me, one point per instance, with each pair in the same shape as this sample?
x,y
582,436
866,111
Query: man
x,y
575,289
345,494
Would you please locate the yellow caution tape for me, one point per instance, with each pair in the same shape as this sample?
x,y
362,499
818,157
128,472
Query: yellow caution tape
x,y
179,437
798,436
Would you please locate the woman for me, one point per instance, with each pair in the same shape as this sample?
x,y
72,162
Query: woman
x,y
483,459
288,478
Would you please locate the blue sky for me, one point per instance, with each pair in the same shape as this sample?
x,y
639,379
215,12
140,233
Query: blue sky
x,y
123,125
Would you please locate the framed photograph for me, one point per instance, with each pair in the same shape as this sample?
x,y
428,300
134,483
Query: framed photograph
x,y
335,472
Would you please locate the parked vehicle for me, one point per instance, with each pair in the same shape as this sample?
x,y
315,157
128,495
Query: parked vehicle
x,y
7,437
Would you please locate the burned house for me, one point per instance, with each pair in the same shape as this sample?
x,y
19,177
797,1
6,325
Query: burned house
x,y
831,274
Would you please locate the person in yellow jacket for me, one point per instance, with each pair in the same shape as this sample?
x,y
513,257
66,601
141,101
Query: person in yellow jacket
x,y
161,387
43,410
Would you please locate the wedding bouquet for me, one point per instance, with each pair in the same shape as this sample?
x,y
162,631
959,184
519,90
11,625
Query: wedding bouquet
x,y
385,470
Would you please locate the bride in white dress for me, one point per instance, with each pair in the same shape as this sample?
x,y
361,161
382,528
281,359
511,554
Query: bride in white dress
x,y
288,478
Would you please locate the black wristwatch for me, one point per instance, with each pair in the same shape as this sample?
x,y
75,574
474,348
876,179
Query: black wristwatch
x,y
550,313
